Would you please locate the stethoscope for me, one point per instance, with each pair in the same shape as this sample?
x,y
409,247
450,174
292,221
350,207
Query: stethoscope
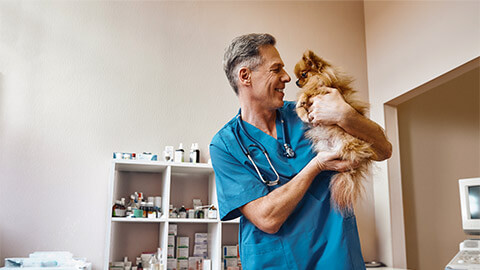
x,y
288,151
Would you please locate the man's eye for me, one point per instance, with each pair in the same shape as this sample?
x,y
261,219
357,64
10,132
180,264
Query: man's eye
x,y
304,75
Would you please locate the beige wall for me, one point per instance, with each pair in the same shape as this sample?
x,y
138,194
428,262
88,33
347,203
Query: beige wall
x,y
439,144
408,44
79,80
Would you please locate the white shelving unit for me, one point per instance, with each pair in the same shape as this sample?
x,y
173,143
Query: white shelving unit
x,y
178,184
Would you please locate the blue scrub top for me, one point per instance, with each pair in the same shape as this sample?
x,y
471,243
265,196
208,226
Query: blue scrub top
x,y
315,235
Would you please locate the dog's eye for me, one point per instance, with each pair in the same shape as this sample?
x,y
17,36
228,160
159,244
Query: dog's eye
x,y
304,75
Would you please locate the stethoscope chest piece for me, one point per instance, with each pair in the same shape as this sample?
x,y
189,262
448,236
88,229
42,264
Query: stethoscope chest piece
x,y
289,153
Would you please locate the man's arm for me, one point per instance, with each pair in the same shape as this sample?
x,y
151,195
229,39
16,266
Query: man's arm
x,y
331,109
268,213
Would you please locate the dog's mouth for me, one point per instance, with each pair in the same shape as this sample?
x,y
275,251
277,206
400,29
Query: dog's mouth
x,y
298,83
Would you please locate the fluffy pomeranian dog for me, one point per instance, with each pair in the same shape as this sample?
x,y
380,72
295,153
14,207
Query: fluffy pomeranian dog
x,y
315,76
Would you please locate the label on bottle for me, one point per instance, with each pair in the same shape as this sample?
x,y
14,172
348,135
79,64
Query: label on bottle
x,y
119,212
193,157
178,156
212,213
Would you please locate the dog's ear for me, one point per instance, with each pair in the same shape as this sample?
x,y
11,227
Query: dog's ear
x,y
307,59
317,62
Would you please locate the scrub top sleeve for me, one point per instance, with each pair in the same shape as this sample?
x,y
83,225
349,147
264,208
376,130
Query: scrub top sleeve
x,y
236,185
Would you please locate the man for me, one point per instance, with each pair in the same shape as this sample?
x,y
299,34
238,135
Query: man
x,y
282,196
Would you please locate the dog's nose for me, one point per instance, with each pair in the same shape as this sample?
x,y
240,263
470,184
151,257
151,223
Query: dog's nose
x,y
298,83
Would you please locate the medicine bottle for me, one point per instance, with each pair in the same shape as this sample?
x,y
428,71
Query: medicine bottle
x,y
143,207
199,212
194,153
118,209
182,213
179,153
212,212
151,210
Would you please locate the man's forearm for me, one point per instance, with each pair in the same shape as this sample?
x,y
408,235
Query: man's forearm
x,y
268,213
368,131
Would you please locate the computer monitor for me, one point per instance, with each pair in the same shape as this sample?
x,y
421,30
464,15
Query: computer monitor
x,y
470,203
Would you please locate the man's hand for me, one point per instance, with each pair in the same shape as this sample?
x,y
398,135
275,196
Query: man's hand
x,y
331,162
329,108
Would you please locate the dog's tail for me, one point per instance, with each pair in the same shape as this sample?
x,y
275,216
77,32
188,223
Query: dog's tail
x,y
347,187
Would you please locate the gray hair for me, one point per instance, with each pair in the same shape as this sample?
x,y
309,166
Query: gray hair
x,y
243,52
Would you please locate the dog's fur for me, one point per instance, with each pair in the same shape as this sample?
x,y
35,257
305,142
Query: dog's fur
x,y
314,76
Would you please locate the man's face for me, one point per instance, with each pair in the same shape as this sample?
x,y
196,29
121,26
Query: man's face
x,y
269,79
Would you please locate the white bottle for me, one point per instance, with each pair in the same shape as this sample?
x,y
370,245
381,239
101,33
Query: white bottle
x,y
159,258
154,263
194,153
179,153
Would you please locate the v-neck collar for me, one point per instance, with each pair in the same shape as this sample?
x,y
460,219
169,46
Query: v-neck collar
x,y
255,132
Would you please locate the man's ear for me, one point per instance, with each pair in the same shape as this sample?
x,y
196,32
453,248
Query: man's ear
x,y
244,76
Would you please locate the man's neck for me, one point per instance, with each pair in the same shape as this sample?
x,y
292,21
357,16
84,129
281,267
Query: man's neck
x,y
260,117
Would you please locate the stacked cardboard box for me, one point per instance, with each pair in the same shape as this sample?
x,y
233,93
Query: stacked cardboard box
x,y
171,260
231,258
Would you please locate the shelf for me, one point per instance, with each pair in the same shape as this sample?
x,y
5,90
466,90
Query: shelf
x,y
191,168
192,220
138,220
139,166
234,221
160,166
177,183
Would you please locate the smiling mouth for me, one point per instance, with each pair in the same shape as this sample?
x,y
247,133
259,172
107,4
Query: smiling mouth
x,y
280,90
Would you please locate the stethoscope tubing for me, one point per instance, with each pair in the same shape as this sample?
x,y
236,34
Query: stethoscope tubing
x,y
288,150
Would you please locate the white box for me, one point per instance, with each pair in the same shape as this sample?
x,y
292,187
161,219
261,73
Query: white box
x,y
183,241
170,252
182,252
201,238
182,264
200,251
230,262
195,263
229,251
207,264
171,264
171,240
172,229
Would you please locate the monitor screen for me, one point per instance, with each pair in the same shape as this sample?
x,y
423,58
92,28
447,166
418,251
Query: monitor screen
x,y
470,204
474,201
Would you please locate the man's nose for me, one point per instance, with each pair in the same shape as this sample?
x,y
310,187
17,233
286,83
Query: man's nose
x,y
286,78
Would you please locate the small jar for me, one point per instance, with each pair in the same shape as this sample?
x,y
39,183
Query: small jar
x,y
190,213
118,209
